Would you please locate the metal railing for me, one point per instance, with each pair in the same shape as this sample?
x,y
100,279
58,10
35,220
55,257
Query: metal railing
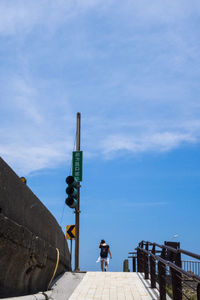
x,y
163,266
191,266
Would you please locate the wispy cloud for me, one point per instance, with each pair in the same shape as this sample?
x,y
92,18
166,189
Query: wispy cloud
x,y
157,141
144,204
131,68
21,16
32,135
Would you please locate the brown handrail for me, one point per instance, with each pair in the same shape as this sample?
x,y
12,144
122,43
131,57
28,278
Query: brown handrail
x,y
172,265
179,250
168,257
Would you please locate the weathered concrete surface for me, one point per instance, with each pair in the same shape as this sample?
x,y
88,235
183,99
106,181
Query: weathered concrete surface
x,y
66,285
62,288
29,236
38,296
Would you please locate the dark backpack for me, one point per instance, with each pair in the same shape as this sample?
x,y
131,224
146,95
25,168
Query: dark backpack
x,y
104,251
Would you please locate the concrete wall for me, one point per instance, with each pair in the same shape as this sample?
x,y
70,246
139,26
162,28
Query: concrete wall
x,y
29,236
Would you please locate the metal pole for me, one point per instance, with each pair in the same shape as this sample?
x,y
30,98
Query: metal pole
x,y
71,252
77,210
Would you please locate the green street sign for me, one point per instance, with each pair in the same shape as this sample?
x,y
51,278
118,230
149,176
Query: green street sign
x,y
77,165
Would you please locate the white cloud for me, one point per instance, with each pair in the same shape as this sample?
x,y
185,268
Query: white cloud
x,y
137,143
29,158
130,68
21,16
17,15
23,100
35,133
40,133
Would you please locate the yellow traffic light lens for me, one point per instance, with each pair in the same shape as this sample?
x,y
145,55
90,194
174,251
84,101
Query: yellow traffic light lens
x,y
23,179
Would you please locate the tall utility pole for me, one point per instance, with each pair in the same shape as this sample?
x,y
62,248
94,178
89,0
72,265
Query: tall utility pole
x,y
77,209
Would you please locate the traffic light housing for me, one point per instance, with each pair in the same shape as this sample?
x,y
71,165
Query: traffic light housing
x,y
72,192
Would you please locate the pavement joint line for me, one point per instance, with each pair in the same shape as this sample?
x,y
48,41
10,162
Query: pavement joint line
x,y
113,286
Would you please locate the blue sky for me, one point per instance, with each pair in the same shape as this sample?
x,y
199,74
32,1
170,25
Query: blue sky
x,y
132,69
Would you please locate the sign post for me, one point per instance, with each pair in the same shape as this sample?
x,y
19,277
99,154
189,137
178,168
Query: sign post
x,y
73,189
77,163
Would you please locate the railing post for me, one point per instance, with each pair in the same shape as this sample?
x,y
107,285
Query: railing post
x,y
176,279
162,277
146,262
142,258
138,260
134,264
125,266
153,269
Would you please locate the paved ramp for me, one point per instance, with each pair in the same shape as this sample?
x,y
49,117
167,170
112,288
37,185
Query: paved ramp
x,y
114,286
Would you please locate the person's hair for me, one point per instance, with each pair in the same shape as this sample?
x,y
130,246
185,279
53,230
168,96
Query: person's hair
x,y
102,242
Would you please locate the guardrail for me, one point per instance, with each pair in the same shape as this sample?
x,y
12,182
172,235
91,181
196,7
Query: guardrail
x,y
163,266
191,266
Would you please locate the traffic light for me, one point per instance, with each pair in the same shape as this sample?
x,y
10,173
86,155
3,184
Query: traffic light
x,y
72,192
23,179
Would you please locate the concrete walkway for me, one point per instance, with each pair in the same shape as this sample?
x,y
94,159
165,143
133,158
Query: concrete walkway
x,y
98,285
114,286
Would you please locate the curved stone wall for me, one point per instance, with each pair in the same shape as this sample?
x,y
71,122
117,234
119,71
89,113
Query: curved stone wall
x,y
29,236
